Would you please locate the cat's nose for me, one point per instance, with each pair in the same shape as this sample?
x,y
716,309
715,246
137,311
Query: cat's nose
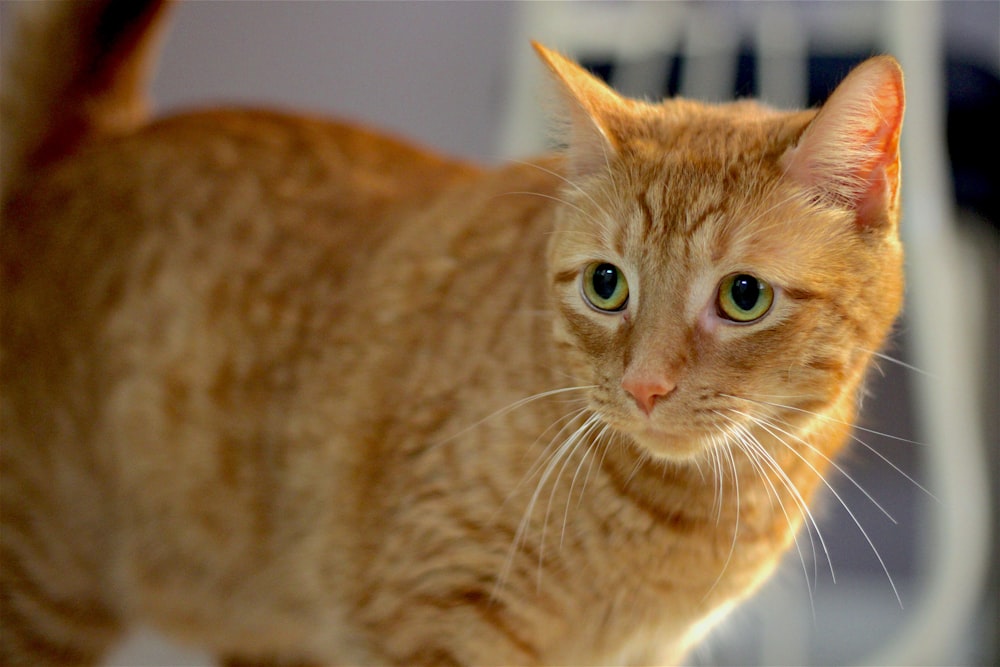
x,y
647,390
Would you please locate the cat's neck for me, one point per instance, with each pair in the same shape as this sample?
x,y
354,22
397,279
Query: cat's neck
x,y
731,497
800,455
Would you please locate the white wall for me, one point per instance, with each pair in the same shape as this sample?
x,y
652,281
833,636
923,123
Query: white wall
x,y
435,72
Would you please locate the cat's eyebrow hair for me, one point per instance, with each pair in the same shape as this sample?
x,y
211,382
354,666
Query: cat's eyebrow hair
x,y
648,219
705,215
566,276
800,293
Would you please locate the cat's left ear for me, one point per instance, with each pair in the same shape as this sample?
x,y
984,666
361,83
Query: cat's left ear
x,y
592,108
849,153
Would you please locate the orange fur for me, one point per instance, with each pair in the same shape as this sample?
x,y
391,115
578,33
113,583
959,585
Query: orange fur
x,y
291,390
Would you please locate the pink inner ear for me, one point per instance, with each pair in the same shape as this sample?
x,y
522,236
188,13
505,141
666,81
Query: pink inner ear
x,y
850,152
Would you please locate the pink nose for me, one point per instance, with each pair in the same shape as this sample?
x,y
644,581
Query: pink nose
x,y
646,391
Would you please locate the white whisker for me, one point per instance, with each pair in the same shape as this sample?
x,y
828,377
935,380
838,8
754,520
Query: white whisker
x,y
892,465
761,461
639,462
510,408
558,200
542,460
898,362
598,442
567,181
583,459
765,423
827,418
562,453
718,481
883,458
752,444
727,449
578,439
770,428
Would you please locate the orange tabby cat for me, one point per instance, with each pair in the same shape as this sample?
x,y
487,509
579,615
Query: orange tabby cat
x,y
293,391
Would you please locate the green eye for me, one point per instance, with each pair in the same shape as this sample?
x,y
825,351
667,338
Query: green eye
x,y
604,287
744,298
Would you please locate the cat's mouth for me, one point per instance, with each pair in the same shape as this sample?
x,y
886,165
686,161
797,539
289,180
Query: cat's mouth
x,y
663,439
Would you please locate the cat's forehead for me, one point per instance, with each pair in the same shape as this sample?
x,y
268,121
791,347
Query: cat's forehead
x,y
696,169
694,136
692,185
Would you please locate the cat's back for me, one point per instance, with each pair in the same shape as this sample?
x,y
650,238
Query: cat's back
x,y
203,224
223,249
224,301
209,161
219,181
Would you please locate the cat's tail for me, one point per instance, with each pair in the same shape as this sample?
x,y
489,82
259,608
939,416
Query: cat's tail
x,y
76,71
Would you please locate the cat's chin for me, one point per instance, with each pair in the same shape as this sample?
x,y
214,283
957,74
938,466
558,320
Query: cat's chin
x,y
668,446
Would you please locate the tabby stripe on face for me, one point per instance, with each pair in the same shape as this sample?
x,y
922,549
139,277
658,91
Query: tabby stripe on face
x,y
647,213
860,328
825,364
799,293
566,276
707,214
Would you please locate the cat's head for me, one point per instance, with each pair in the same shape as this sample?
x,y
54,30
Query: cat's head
x,y
712,262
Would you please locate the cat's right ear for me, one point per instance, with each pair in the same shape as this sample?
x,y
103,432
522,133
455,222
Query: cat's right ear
x,y
590,106
849,154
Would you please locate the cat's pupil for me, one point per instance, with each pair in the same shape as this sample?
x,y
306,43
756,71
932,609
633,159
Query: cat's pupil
x,y
745,292
605,280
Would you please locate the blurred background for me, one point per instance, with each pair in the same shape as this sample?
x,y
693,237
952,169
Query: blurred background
x,y
920,587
